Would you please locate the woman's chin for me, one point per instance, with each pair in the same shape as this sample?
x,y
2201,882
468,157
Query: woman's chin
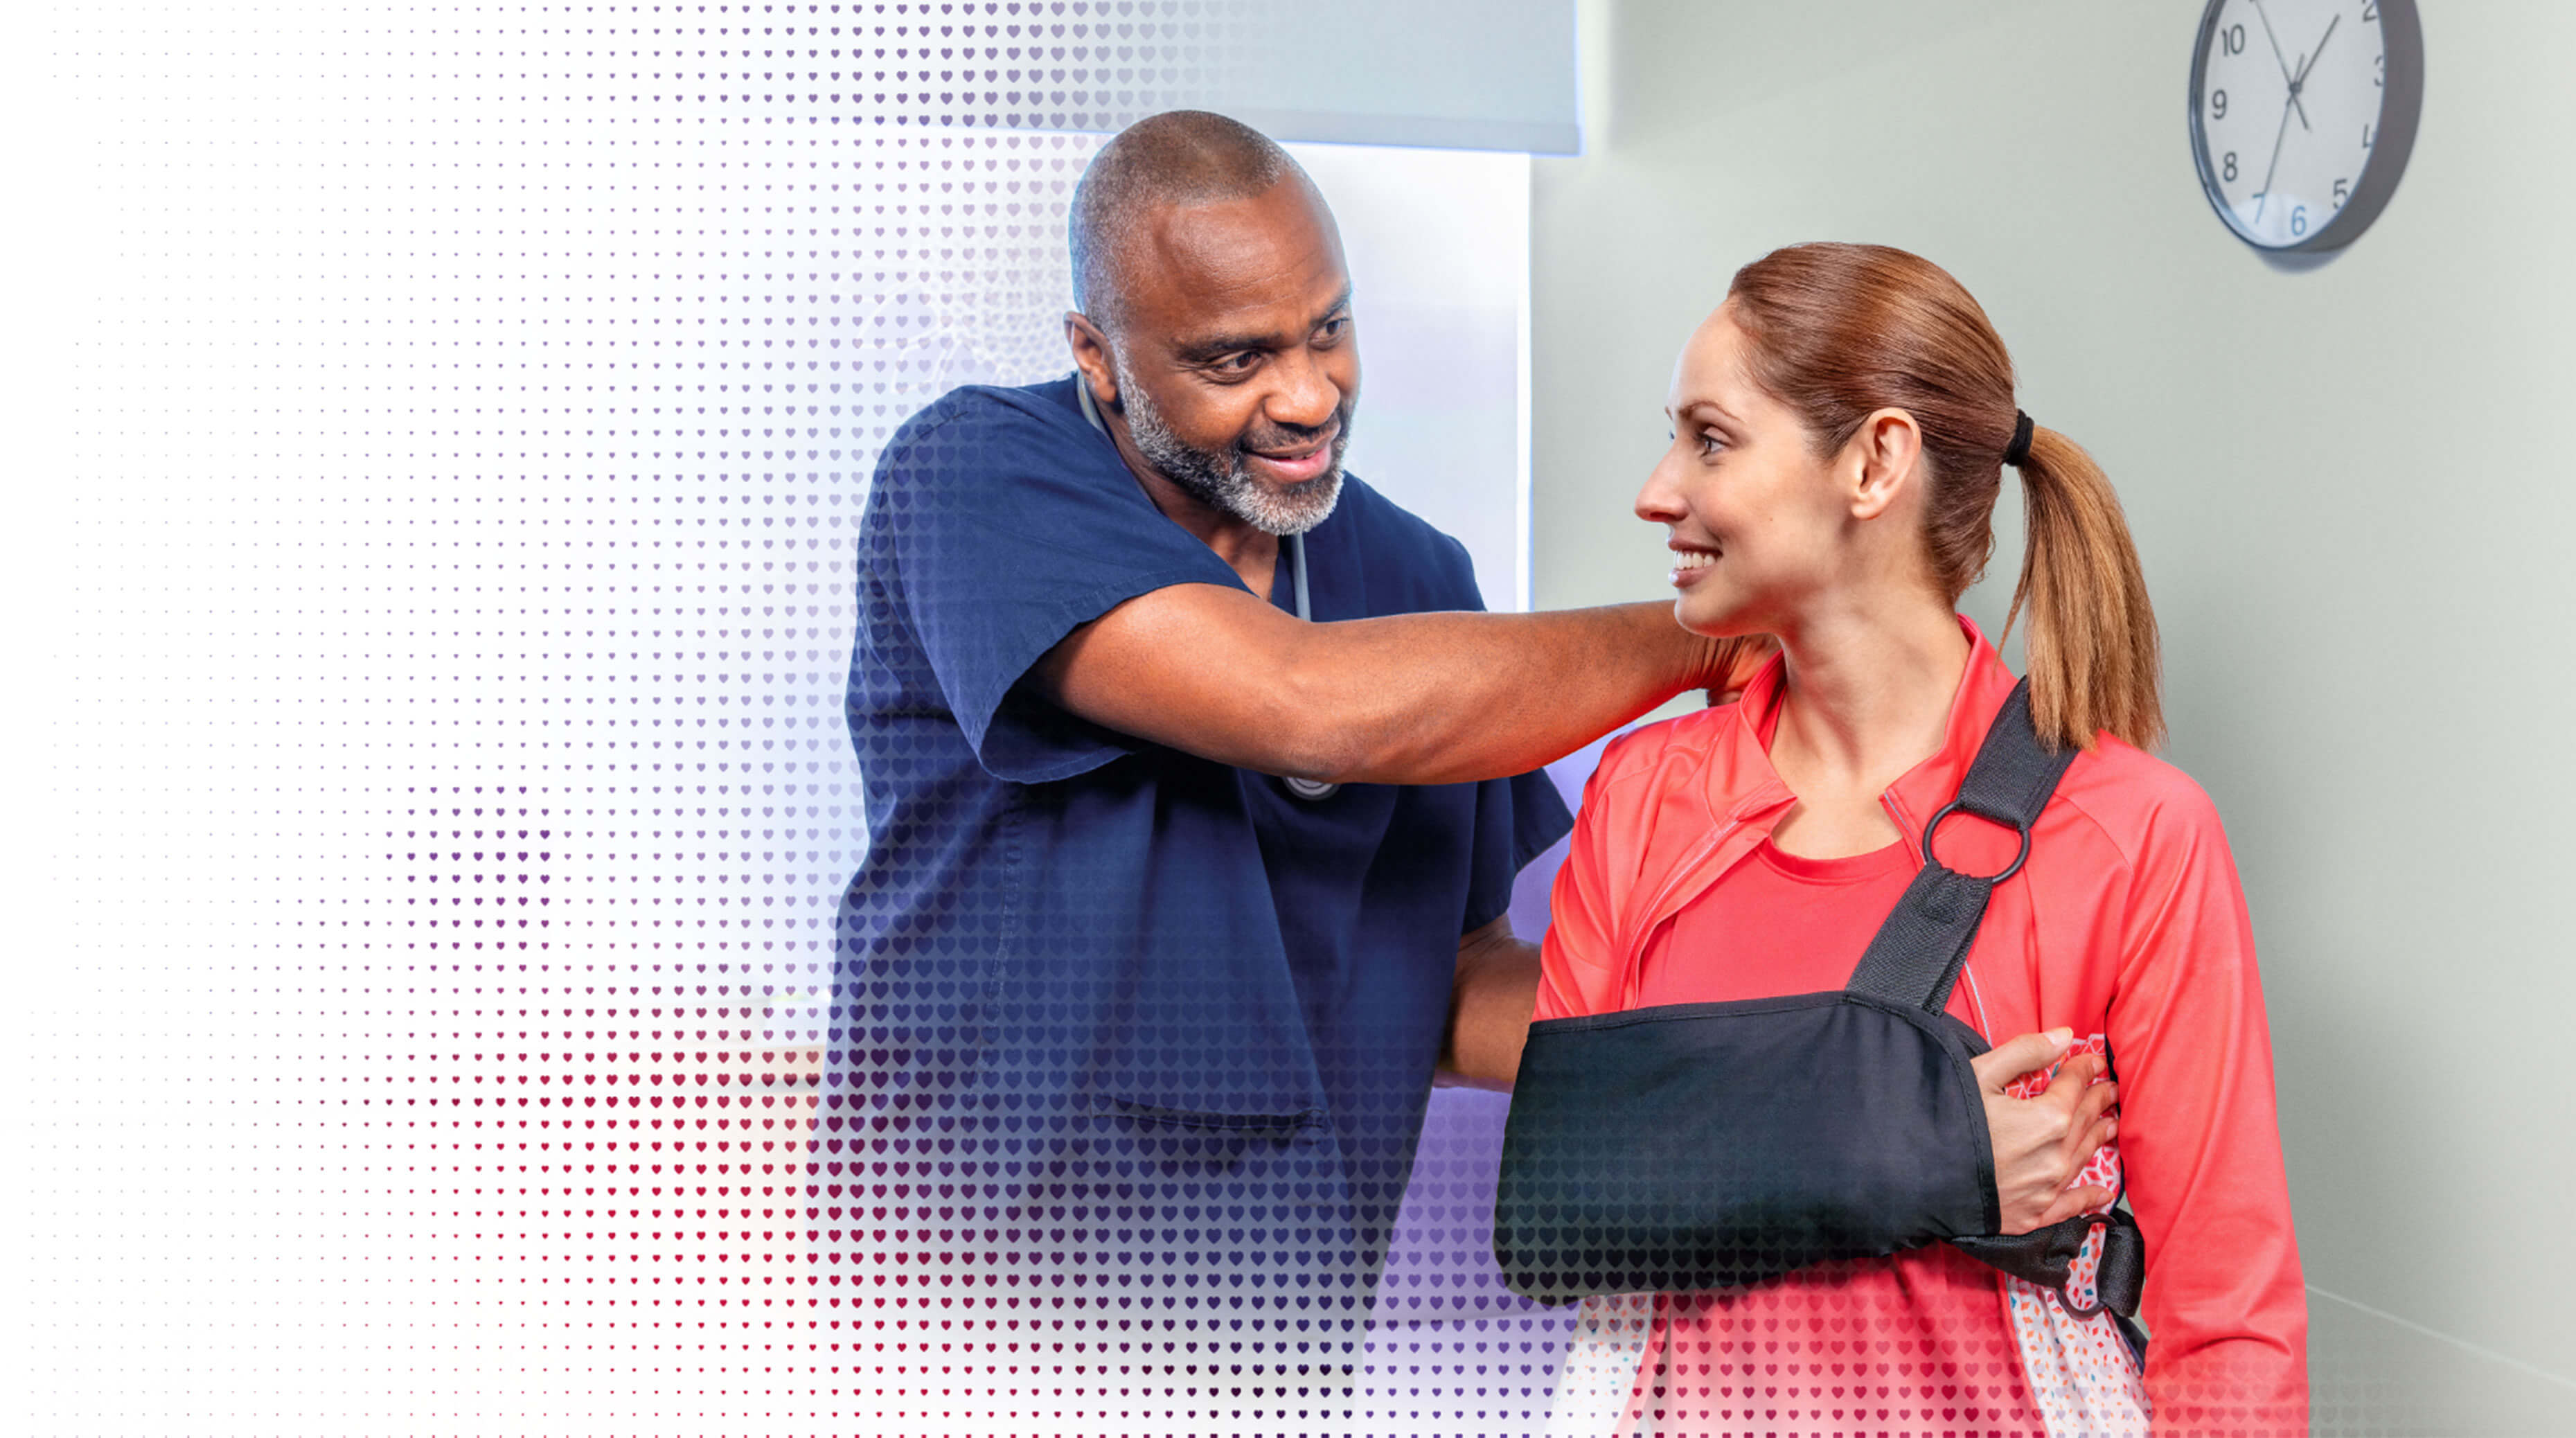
x,y
1709,621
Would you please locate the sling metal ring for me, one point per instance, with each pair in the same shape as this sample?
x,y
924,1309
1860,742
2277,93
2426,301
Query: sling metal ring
x,y
1953,807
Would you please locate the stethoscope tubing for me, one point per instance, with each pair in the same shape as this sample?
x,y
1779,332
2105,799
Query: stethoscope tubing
x,y
1307,789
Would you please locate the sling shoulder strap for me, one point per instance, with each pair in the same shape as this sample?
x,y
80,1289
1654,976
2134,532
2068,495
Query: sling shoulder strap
x,y
1916,958
1917,954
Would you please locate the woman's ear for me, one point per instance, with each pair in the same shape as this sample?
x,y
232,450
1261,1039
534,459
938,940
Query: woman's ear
x,y
1881,459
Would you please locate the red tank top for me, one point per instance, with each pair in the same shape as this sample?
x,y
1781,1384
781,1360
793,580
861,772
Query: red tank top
x,y
1778,923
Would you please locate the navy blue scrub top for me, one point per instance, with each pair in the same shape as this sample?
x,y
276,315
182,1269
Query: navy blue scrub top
x,y
1056,924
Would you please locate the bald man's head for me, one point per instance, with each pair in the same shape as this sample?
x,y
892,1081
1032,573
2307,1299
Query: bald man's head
x,y
1215,331
1178,158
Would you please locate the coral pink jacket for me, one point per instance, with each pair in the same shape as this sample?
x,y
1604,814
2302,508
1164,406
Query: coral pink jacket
x,y
2128,925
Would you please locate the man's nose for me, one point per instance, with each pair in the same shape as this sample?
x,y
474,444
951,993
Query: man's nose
x,y
1307,396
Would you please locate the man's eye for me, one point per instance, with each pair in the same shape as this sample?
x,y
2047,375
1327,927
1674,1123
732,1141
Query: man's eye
x,y
1332,330
1243,363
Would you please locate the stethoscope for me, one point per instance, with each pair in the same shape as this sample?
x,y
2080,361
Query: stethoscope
x,y
1304,788
1307,789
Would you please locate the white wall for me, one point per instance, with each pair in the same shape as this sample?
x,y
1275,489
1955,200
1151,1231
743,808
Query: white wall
x,y
1438,247
2353,518
1469,74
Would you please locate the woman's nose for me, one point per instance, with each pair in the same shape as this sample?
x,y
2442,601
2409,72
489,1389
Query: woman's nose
x,y
1660,501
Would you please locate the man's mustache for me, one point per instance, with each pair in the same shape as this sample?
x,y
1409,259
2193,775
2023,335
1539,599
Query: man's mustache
x,y
1275,438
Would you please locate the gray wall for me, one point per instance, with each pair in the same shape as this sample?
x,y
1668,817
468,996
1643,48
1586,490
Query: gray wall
x,y
2354,520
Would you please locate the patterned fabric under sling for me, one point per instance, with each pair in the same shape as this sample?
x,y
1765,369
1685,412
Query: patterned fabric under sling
x,y
1691,1147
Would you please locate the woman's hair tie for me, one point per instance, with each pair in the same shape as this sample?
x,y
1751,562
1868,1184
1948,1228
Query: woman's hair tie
x,y
2019,449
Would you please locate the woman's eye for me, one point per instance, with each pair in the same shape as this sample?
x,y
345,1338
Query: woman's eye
x,y
1709,443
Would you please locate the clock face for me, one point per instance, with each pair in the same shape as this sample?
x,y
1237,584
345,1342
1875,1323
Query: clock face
x,y
2303,112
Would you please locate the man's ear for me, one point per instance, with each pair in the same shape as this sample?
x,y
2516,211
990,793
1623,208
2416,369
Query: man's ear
x,y
1090,346
1881,460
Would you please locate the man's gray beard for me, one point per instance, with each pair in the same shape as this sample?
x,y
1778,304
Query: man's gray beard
x,y
1222,480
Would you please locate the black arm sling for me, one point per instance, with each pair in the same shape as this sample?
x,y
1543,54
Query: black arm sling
x,y
1691,1147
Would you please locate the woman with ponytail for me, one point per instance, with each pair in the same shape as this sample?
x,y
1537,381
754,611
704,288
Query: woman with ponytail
x,y
1840,427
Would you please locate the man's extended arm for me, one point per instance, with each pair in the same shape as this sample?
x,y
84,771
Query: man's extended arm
x,y
1405,699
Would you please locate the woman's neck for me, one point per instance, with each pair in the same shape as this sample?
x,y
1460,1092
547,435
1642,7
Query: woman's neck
x,y
1867,697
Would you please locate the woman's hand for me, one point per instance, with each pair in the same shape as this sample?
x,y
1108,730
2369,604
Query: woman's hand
x,y
2041,1143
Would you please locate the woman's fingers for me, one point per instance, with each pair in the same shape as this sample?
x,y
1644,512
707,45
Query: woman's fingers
x,y
2091,1114
2072,1202
2041,1143
1998,1067
2090,1122
2104,1128
2028,1136
2074,1075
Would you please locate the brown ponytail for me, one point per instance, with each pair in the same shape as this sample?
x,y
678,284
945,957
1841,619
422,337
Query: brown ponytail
x,y
2092,644
1840,331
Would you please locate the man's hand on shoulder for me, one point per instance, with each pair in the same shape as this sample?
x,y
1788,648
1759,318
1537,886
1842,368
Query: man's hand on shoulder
x,y
1733,662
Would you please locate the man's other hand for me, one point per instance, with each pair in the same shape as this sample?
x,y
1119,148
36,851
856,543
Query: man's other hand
x,y
1489,1009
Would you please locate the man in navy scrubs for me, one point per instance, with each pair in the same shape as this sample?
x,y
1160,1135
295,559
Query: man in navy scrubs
x,y
1196,786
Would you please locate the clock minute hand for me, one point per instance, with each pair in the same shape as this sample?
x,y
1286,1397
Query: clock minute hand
x,y
2283,61
2263,197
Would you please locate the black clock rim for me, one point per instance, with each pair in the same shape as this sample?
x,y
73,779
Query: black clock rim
x,y
2401,36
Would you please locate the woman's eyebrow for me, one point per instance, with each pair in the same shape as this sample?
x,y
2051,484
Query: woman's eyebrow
x,y
1707,409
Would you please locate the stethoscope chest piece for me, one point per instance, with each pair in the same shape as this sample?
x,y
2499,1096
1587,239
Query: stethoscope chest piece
x,y
1312,790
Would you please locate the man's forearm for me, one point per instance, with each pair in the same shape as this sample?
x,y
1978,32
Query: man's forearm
x,y
1446,698
1403,699
1489,1010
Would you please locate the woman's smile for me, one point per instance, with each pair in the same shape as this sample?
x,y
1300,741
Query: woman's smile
x,y
1690,563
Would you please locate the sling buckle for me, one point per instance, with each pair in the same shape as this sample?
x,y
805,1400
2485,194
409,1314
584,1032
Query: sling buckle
x,y
1953,807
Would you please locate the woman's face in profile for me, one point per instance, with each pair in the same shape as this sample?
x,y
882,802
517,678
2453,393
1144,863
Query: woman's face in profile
x,y
1756,526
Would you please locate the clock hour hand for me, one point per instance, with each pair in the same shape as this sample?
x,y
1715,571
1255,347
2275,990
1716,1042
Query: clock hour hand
x,y
2284,61
2310,63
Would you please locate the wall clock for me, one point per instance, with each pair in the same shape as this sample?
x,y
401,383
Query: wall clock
x,y
2302,115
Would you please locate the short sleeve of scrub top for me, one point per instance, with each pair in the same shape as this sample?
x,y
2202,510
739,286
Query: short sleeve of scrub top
x,y
1009,523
